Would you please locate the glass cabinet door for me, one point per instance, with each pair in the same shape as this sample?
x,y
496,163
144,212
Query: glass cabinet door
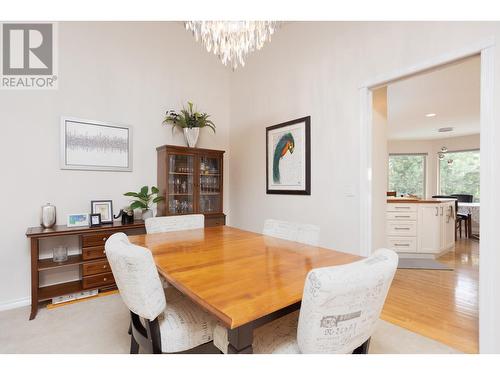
x,y
180,184
210,185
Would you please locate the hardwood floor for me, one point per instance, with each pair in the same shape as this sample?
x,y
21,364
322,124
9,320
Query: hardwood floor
x,y
442,305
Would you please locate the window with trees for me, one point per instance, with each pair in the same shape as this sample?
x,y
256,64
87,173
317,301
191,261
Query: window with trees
x,y
459,173
407,174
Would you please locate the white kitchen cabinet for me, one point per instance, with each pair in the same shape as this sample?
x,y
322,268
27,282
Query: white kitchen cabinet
x,y
425,228
449,217
429,228
403,244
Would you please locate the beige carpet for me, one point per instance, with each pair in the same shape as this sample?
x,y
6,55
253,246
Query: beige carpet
x,y
100,326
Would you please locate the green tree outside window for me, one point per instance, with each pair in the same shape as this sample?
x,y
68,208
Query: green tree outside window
x,y
461,176
407,174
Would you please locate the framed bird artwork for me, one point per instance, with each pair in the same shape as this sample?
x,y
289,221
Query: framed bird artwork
x,y
288,157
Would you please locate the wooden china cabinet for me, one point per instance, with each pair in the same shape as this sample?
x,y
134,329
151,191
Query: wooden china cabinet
x,y
191,180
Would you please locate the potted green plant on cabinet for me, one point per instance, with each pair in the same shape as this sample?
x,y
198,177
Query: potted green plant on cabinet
x,y
145,200
190,121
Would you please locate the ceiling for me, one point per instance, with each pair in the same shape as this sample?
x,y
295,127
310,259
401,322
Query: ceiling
x,y
451,92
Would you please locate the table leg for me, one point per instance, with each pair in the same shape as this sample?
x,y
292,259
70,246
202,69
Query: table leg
x,y
34,277
240,340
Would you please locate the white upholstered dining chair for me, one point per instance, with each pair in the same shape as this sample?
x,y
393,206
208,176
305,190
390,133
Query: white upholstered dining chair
x,y
340,308
162,321
173,223
304,233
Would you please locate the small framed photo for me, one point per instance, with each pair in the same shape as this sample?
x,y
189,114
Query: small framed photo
x,y
78,220
105,208
95,220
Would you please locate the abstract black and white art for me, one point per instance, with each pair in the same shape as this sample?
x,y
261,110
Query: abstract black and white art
x,y
95,145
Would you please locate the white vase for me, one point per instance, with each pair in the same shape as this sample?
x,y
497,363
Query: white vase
x,y
146,214
191,135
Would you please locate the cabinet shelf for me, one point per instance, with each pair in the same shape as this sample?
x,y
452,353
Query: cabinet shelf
x,y
47,264
209,193
48,292
172,194
182,173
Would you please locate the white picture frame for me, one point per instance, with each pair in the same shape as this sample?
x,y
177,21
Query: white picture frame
x,y
78,220
95,145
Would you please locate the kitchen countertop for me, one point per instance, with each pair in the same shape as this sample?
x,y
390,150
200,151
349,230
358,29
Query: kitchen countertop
x,y
418,200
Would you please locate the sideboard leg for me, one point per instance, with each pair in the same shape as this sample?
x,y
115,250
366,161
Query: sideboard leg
x,y
34,277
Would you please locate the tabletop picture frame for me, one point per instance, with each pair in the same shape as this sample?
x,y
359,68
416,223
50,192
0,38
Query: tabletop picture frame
x,y
77,220
104,208
95,220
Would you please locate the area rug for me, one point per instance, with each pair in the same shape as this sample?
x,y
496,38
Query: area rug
x,y
422,264
100,326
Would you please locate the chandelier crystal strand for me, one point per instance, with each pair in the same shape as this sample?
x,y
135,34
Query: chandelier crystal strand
x,y
232,41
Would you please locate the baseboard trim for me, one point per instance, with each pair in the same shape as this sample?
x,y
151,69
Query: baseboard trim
x,y
13,304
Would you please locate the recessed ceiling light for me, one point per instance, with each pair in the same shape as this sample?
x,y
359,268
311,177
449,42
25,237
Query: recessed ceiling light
x,y
430,115
445,130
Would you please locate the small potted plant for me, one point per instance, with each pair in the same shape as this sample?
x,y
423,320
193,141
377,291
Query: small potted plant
x,y
190,121
145,200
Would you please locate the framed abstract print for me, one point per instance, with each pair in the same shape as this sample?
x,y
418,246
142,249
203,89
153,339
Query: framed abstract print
x,y
95,145
288,157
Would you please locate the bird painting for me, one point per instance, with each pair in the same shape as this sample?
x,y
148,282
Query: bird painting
x,y
285,144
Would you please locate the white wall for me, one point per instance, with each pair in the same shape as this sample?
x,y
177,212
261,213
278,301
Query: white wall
x,y
431,148
317,69
128,73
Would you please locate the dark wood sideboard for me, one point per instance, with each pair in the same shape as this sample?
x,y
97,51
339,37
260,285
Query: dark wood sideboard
x,y
95,270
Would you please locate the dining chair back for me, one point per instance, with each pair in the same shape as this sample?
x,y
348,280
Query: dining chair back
x,y
173,223
341,304
136,276
155,326
464,198
304,233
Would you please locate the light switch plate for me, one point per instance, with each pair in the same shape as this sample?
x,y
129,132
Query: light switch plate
x,y
350,191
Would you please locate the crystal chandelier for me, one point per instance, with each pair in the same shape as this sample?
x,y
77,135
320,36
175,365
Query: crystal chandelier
x,y
232,41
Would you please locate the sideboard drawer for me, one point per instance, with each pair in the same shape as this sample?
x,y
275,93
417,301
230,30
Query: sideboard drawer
x,y
403,244
95,252
402,207
95,268
98,280
401,228
401,216
90,240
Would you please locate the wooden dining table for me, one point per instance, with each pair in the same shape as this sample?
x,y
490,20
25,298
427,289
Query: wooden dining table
x,y
244,279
